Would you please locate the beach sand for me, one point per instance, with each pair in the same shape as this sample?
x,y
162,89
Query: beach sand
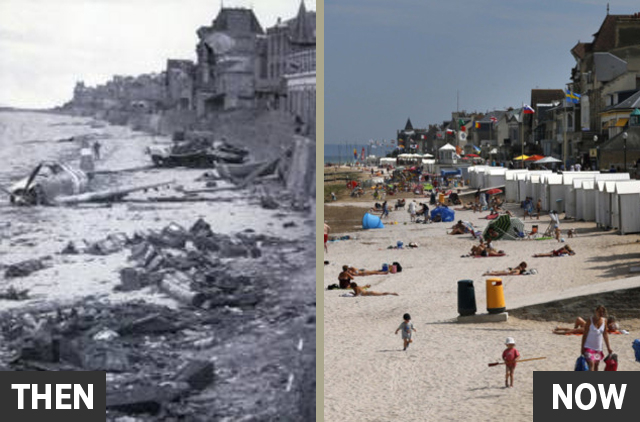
x,y
444,375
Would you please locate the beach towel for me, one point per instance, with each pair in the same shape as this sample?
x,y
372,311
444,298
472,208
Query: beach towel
x,y
492,216
490,256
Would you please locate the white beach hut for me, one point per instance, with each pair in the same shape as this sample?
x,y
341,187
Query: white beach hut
x,y
522,185
585,200
627,195
552,185
568,196
494,177
511,185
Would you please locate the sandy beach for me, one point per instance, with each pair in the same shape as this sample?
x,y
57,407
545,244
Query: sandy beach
x,y
444,375
86,281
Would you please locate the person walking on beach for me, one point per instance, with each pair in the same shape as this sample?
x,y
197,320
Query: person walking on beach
x,y
412,210
327,229
510,357
406,327
385,209
96,149
591,347
538,207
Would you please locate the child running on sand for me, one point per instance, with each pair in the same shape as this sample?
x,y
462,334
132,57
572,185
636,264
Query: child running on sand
x,y
406,327
510,357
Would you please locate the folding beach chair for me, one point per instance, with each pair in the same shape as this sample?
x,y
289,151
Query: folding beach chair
x,y
550,232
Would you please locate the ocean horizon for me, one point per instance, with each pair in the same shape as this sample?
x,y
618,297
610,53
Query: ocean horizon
x,y
343,153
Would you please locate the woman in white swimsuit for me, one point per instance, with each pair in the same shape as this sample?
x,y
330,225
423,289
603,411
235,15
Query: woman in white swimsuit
x,y
592,338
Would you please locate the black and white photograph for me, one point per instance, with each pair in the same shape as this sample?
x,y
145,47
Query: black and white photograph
x,y
157,202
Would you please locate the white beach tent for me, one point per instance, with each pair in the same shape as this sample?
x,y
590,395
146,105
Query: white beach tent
x,y
601,197
532,186
627,195
571,196
567,181
388,161
612,212
522,186
586,200
552,183
494,177
511,185
477,177
429,166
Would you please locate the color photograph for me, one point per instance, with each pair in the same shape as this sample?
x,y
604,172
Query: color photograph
x,y
481,203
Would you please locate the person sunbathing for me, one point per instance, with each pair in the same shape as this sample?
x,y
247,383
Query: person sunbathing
x,y
565,250
520,269
579,324
458,228
345,277
359,291
362,272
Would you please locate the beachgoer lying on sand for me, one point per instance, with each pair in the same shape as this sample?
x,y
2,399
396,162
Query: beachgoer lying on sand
x,y
521,268
565,250
359,291
362,272
458,228
579,324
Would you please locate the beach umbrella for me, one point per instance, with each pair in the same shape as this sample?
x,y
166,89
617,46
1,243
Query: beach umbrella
x,y
547,160
498,227
521,157
534,157
494,191
472,155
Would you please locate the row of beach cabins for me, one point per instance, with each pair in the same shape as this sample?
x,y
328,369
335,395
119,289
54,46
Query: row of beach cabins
x,y
611,200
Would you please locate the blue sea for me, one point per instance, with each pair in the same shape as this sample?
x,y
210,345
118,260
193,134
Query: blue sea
x,y
343,153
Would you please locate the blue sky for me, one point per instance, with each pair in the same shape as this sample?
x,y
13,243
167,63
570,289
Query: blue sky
x,y
47,45
388,60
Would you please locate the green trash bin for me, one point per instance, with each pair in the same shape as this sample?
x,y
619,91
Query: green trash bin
x,y
466,298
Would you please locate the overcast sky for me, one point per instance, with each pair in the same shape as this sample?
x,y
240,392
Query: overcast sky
x,y
47,45
386,60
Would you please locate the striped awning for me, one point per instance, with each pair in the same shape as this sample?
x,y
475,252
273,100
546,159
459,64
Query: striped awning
x,y
621,122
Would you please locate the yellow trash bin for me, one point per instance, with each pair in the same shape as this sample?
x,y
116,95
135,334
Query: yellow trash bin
x,y
495,296
441,198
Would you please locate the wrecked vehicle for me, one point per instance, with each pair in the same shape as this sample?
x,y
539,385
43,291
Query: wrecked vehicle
x,y
196,149
53,183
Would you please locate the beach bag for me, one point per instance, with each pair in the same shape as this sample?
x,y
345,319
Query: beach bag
x,y
581,364
611,364
636,349
398,266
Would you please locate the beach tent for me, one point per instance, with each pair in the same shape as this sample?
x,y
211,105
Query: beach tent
x,y
494,177
571,196
370,221
585,200
446,213
628,198
522,185
601,197
511,185
548,160
554,190
388,161
504,227
568,196
477,177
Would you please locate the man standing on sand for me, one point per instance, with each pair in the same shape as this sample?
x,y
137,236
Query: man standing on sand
x,y
327,229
